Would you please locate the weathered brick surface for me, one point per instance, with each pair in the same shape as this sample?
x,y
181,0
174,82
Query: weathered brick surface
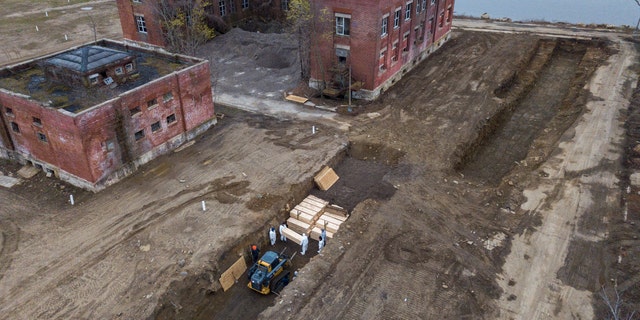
x,y
94,143
366,41
127,10
233,12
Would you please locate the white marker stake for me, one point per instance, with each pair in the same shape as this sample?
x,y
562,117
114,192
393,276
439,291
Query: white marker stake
x,y
71,199
65,38
204,206
46,13
313,129
37,29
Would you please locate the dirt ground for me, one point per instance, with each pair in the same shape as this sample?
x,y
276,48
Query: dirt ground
x,y
491,182
54,19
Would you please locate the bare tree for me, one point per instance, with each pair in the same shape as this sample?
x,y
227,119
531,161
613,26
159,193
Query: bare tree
x,y
616,308
307,22
183,24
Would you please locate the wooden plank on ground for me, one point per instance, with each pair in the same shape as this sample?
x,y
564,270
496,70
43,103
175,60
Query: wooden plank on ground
x,y
292,235
326,178
315,233
314,198
297,225
229,277
295,98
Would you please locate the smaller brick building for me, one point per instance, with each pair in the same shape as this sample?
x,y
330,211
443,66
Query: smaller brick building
x,y
93,114
379,40
140,22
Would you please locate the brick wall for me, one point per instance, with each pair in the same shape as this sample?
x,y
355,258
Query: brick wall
x,y
368,48
90,147
127,11
55,140
233,12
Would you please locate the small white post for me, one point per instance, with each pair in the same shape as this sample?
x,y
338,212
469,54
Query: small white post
x,y
71,199
65,37
46,13
204,206
37,29
313,129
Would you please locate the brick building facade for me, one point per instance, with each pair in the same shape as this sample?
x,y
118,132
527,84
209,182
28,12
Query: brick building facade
x,y
379,40
139,23
144,104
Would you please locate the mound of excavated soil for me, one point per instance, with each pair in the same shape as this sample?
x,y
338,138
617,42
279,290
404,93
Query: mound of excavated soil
x,y
259,64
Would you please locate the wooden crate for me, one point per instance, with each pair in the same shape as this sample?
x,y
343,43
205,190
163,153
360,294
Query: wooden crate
x,y
315,233
298,226
326,178
292,235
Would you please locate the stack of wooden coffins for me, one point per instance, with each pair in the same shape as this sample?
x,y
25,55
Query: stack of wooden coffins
x,y
311,216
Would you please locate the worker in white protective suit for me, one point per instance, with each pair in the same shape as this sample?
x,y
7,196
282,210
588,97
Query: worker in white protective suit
x,y
283,226
272,236
320,244
304,243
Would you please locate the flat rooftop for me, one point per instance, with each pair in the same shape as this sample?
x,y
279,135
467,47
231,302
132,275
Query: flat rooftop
x,y
28,78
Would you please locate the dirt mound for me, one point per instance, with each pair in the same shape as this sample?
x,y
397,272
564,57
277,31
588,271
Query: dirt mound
x,y
267,63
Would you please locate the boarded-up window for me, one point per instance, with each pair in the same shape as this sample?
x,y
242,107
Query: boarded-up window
x,y
139,135
155,126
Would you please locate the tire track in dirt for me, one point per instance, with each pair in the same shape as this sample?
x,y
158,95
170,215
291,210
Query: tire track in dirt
x,y
529,278
114,234
9,239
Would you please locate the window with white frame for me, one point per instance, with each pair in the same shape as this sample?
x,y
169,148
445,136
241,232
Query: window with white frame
x,y
385,23
418,7
223,8
128,67
433,1
245,4
232,6
136,1
424,4
141,24
396,19
343,24
407,12
284,4
119,70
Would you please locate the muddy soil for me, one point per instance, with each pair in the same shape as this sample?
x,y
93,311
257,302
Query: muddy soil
x,y
430,237
434,248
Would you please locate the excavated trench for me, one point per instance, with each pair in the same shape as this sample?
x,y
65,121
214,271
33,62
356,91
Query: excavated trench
x,y
362,168
543,93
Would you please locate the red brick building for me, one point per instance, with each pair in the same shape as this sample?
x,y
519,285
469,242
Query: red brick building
x,y
379,40
139,22
92,114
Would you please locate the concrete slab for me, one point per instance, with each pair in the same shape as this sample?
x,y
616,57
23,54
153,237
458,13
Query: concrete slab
x,y
8,182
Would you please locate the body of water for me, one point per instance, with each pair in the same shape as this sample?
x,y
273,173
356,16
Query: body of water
x,y
617,12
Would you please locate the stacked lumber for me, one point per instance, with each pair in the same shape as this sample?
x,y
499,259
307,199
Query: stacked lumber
x,y
311,216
